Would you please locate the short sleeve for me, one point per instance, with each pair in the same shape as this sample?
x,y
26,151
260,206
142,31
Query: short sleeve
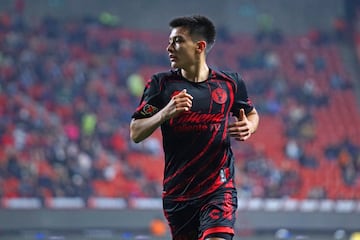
x,y
149,103
242,100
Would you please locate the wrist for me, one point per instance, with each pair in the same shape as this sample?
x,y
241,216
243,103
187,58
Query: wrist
x,y
252,127
163,116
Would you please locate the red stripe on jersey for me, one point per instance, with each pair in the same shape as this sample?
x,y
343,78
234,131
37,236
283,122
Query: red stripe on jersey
x,y
217,183
217,230
192,161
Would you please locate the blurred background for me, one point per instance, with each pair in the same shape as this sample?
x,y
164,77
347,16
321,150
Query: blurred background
x,y
72,73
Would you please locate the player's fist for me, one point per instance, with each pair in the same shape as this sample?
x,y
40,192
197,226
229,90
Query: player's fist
x,y
241,128
179,103
242,115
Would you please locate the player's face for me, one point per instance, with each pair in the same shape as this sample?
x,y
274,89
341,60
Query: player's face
x,y
181,48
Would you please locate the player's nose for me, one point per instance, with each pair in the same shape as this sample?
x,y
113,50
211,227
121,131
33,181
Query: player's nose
x,y
170,48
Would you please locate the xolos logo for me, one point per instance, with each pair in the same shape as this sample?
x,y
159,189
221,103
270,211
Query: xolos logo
x,y
219,95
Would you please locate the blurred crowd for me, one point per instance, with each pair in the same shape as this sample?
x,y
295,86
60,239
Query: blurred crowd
x,y
67,92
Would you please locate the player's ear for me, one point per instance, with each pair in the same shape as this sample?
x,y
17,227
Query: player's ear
x,y
201,46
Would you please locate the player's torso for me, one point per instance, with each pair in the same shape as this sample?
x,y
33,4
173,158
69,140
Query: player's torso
x,y
211,104
196,142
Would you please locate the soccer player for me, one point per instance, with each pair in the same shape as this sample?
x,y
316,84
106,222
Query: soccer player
x,y
194,104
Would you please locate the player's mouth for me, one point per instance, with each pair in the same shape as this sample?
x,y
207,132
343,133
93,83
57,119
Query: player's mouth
x,y
172,58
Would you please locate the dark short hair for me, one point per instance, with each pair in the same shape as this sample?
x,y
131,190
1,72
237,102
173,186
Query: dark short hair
x,y
199,26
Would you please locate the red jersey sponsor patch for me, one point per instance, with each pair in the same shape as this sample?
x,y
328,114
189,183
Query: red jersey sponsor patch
x,y
149,110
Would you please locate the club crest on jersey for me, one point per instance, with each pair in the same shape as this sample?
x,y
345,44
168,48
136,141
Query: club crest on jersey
x,y
219,95
148,110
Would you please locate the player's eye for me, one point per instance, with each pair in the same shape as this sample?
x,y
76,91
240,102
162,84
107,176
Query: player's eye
x,y
178,39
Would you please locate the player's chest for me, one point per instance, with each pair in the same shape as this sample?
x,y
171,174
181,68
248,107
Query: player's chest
x,y
207,96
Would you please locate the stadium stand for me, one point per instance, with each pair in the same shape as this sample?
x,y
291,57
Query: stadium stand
x,y
65,106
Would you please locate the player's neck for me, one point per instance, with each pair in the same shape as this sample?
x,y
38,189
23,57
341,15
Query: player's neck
x,y
196,73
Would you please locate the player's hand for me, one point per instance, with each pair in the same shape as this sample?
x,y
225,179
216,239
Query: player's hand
x,y
241,129
179,103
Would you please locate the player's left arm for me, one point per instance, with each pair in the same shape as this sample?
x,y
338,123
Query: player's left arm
x,y
247,118
244,126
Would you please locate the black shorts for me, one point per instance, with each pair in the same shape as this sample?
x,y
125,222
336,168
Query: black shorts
x,y
197,219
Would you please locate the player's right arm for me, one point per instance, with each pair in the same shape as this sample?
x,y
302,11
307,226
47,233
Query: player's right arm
x,y
142,128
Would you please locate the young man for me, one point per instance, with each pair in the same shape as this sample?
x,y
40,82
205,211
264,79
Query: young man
x,y
193,104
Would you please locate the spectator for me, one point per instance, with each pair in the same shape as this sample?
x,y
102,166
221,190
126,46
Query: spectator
x,y
300,61
292,150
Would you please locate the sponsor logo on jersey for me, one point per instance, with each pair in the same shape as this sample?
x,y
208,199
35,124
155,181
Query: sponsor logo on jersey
x,y
193,121
219,95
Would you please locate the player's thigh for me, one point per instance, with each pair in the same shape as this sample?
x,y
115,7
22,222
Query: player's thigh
x,y
186,236
183,219
218,215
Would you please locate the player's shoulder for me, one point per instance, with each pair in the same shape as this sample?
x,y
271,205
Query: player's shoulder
x,y
229,75
165,75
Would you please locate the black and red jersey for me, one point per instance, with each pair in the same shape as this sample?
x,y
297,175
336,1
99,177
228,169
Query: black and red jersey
x,y
198,156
